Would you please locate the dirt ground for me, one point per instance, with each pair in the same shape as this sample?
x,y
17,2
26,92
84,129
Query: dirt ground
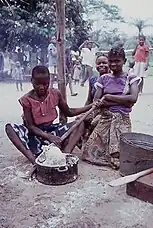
x,y
87,203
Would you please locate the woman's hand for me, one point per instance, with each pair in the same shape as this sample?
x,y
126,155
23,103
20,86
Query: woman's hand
x,y
107,97
54,139
89,118
102,103
98,103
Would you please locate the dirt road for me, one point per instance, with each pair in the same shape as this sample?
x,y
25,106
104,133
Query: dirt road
x,y
87,203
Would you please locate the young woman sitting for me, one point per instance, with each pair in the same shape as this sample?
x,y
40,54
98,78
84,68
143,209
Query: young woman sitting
x,y
39,112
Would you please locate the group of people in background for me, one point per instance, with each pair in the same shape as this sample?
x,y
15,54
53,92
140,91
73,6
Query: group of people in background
x,y
12,68
79,63
17,64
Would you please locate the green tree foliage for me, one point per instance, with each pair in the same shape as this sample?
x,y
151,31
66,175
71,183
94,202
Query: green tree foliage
x,y
107,12
33,22
109,38
140,25
103,17
77,28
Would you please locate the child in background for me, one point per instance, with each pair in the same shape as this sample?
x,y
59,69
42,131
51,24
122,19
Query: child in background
x,y
68,65
77,70
18,76
88,53
141,58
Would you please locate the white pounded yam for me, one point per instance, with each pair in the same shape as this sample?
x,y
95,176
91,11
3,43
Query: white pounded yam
x,y
54,156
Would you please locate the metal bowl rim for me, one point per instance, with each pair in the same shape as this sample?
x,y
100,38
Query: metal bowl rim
x,y
54,167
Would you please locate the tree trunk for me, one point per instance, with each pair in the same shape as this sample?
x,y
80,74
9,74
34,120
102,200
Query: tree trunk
x,y
60,23
43,56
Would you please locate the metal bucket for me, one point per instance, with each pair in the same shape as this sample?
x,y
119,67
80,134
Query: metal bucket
x,y
136,153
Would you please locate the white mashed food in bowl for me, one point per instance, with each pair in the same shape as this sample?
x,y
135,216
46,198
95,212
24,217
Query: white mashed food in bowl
x,y
51,157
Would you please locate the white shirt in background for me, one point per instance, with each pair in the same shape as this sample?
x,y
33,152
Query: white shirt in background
x,y
88,56
74,55
27,54
52,55
7,64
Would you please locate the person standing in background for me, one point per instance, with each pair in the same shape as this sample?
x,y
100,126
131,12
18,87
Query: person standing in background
x,y
21,57
7,65
27,55
75,54
18,74
88,54
52,58
141,58
69,71
76,66
34,57
77,70
1,64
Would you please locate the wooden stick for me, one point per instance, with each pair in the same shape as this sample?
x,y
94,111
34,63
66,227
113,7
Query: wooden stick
x,y
77,124
130,178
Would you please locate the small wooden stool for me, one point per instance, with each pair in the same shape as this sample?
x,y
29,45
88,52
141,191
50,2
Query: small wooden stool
x,y
142,188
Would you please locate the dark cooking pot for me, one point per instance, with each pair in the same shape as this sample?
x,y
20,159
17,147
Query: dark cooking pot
x,y
58,175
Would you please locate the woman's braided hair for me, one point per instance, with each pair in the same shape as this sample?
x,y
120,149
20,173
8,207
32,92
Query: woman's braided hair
x,y
117,51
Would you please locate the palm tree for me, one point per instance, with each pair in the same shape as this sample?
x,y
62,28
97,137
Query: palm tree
x,y
140,24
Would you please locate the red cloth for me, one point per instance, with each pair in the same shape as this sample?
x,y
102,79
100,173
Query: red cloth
x,y
43,112
141,53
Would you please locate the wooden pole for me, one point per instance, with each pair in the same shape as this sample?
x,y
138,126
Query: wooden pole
x,y
60,23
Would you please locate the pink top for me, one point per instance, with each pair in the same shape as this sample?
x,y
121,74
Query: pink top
x,y
42,111
141,53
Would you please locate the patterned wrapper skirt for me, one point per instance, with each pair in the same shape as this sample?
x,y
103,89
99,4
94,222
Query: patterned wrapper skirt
x,y
35,143
103,145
